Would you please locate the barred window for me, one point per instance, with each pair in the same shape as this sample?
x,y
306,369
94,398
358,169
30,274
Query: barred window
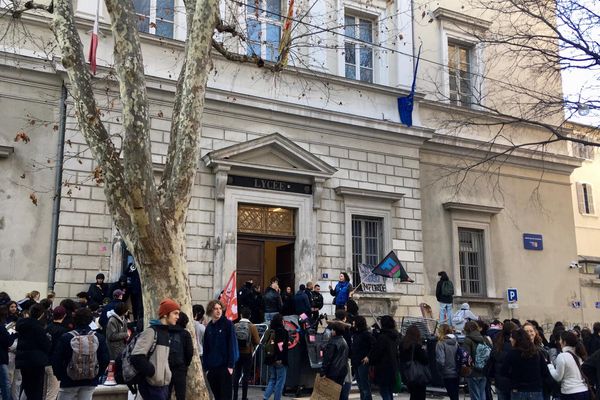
x,y
367,243
472,261
459,74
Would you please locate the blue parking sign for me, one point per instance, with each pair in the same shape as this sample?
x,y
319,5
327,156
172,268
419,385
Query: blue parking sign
x,y
512,295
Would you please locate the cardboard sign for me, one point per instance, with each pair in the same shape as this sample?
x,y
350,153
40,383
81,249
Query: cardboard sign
x,y
325,389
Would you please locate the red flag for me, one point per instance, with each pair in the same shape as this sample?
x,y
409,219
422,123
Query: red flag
x,y
229,298
94,43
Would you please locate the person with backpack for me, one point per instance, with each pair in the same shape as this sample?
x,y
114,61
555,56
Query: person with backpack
x,y
33,352
150,353
445,357
502,347
462,316
247,338
479,349
444,293
55,329
276,342
567,368
181,352
362,343
116,331
220,351
411,350
525,368
79,358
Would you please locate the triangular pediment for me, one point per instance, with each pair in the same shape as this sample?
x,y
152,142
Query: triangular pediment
x,y
270,153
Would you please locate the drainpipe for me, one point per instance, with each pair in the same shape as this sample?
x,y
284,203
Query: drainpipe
x,y
57,185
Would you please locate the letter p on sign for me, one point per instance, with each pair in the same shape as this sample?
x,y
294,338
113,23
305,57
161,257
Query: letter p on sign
x,y
511,295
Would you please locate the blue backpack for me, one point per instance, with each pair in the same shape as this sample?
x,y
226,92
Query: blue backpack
x,y
464,362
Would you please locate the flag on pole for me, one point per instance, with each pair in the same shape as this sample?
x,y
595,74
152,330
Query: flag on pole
x,y
391,267
286,34
94,41
229,298
406,103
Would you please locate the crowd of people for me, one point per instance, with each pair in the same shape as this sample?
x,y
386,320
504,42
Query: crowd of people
x,y
64,351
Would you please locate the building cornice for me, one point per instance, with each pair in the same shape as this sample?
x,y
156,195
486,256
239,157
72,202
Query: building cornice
x,y
6,151
367,193
459,18
477,208
480,150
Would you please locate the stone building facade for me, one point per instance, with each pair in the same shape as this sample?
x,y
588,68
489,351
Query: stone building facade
x,y
310,173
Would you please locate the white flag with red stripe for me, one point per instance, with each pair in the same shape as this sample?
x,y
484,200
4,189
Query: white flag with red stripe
x,y
94,42
229,298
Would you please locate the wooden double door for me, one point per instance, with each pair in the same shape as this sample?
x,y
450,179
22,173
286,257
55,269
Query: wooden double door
x,y
261,258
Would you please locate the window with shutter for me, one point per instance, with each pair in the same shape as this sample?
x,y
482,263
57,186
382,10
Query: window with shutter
x,y
585,199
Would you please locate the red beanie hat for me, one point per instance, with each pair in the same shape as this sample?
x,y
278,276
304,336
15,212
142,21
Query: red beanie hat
x,y
167,306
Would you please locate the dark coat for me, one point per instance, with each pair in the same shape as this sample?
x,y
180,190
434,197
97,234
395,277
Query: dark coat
x,y
414,352
6,340
281,336
497,360
218,345
438,293
99,293
335,360
288,304
525,374
302,303
384,356
360,347
181,348
103,320
33,347
272,300
62,356
316,300
55,331
472,339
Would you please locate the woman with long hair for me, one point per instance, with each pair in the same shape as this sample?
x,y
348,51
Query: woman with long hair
x,y
445,352
342,291
362,343
13,312
567,368
30,299
502,347
277,337
383,357
477,381
525,368
411,349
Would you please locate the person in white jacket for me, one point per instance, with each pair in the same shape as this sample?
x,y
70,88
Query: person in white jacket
x,y
463,316
566,369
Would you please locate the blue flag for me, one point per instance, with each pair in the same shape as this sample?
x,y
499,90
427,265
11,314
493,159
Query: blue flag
x,y
406,103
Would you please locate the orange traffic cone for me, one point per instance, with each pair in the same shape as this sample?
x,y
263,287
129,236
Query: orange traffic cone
x,y
110,378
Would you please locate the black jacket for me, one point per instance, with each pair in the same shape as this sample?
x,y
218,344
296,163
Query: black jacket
x,y
33,347
98,294
361,345
438,293
384,356
525,374
181,348
62,356
281,336
272,301
301,303
316,300
288,304
55,331
497,360
335,360
6,340
593,344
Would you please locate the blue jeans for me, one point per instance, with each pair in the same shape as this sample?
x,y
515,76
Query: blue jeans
x,y
446,313
345,393
362,378
5,383
386,392
503,394
477,387
269,316
526,395
277,374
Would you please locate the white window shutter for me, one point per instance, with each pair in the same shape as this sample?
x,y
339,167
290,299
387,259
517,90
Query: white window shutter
x,y
580,198
590,198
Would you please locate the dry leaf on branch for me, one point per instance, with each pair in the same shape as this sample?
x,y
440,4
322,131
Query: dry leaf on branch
x,y
33,198
22,137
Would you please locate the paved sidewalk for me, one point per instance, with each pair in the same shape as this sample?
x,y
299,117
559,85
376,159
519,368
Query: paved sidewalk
x,y
257,394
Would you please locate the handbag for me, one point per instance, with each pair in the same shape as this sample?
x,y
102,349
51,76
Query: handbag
x,y
591,391
415,372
